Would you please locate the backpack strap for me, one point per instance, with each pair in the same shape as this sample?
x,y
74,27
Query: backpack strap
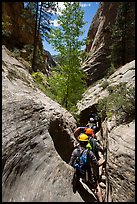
x,y
77,160
79,154
88,166
88,159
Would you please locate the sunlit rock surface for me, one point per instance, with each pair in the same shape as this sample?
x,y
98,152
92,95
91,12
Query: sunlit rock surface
x,y
99,40
124,74
121,161
36,140
119,137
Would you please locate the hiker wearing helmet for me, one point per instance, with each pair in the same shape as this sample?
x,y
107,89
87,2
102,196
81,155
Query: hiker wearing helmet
x,y
94,116
93,142
93,122
80,130
90,131
87,169
96,147
93,127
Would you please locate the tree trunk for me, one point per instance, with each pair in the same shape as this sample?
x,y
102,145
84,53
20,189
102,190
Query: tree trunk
x,y
34,68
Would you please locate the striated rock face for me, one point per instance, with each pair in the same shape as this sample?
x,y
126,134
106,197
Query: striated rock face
x,y
120,138
121,161
99,41
36,140
125,74
104,17
19,32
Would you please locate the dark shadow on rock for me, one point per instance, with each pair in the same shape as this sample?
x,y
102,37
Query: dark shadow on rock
x,y
85,115
61,138
85,195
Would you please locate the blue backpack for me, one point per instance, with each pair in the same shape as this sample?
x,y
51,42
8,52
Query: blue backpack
x,y
81,163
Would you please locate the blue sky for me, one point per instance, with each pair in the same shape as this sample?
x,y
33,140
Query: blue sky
x,y
89,8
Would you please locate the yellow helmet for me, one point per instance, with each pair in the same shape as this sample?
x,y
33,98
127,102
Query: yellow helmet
x,y
83,138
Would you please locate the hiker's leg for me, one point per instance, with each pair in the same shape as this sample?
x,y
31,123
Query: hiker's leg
x,y
75,180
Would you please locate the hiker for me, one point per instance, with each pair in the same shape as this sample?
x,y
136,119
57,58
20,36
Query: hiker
x,y
80,130
88,170
92,123
94,116
94,143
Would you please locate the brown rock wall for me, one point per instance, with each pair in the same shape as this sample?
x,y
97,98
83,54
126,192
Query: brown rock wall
x,y
20,33
99,41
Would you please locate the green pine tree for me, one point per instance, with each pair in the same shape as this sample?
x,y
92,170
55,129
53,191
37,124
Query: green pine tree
x,y
68,80
42,12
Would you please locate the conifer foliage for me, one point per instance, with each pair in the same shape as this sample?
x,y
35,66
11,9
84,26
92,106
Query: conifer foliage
x,y
68,80
42,12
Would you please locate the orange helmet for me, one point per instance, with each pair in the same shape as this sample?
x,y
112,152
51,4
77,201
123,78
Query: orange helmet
x,y
89,131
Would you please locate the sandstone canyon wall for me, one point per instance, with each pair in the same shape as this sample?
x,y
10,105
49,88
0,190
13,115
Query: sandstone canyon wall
x,y
120,138
99,41
37,132
36,140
